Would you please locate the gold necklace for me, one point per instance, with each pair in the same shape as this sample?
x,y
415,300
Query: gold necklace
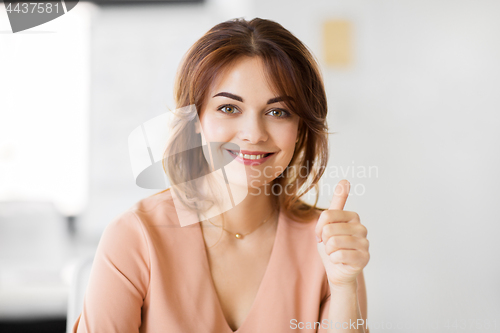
x,y
240,235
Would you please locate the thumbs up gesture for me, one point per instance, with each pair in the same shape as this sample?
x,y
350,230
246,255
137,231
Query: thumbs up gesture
x,y
342,242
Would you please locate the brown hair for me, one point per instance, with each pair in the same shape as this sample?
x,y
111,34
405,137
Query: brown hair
x,y
292,70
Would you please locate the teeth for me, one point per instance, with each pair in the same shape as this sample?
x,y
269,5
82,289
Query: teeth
x,y
251,157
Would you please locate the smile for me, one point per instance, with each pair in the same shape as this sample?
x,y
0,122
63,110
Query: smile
x,y
250,158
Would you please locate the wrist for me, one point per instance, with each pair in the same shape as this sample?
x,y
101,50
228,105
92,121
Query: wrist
x,y
350,287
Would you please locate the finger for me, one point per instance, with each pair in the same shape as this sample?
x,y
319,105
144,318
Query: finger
x,y
343,229
340,195
345,242
334,216
346,257
353,258
338,229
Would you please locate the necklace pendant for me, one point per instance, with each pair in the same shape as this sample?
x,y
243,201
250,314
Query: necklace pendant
x,y
239,236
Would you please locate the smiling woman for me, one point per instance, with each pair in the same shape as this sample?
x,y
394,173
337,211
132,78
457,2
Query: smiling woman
x,y
240,69
259,104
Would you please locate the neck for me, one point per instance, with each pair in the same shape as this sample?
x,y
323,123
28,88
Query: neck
x,y
247,216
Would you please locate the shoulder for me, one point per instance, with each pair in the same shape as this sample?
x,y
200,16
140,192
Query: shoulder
x,y
301,231
158,200
131,228
157,209
305,222
133,225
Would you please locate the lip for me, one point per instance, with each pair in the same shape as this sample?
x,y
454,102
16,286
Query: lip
x,y
255,152
249,152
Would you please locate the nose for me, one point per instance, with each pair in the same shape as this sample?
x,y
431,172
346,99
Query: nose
x,y
253,130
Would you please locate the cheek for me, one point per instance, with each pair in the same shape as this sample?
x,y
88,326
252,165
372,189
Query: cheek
x,y
285,138
215,130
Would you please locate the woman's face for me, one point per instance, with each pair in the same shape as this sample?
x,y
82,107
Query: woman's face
x,y
241,109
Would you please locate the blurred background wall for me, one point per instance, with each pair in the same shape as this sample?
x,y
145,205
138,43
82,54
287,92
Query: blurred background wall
x,y
414,105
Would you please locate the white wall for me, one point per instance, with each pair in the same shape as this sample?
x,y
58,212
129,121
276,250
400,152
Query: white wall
x,y
421,103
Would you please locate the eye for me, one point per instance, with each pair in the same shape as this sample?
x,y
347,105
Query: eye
x,y
228,108
279,113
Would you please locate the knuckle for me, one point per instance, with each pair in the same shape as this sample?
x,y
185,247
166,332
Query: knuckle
x,y
326,216
327,212
328,230
363,241
325,232
333,213
330,245
363,230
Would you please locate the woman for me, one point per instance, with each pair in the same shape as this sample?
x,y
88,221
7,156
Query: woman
x,y
260,259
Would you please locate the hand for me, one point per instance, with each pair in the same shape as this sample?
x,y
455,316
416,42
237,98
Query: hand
x,y
342,243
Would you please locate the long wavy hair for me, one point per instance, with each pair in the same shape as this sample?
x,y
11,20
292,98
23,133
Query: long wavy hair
x,y
290,68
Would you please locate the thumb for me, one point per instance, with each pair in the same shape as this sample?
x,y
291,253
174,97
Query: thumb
x,y
338,202
340,195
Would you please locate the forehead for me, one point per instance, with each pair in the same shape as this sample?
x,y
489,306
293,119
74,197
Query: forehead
x,y
244,75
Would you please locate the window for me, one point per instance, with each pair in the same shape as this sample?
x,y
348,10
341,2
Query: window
x,y
44,110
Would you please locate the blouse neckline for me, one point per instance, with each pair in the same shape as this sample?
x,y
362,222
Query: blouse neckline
x,y
262,286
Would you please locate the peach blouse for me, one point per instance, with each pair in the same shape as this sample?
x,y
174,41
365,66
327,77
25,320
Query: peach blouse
x,y
152,275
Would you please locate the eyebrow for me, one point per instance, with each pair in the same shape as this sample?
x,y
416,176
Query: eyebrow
x,y
240,99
